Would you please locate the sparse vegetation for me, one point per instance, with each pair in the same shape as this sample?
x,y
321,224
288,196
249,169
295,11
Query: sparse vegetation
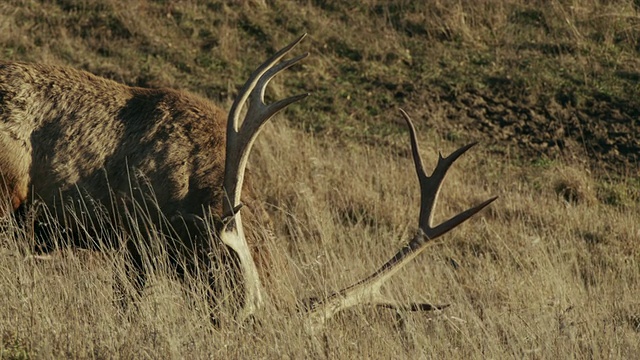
x,y
550,89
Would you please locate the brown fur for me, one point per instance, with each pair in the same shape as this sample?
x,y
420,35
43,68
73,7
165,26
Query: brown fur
x,y
64,132
63,128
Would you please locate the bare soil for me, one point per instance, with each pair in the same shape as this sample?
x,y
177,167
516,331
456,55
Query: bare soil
x,y
604,134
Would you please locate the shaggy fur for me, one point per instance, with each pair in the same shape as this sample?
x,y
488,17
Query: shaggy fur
x,y
68,136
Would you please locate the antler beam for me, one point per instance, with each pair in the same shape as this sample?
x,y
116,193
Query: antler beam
x,y
240,138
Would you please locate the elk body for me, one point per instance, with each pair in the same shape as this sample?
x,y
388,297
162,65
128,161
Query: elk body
x,y
65,132
69,137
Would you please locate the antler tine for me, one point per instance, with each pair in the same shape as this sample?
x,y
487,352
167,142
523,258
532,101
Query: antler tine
x,y
255,119
256,98
234,113
367,290
430,187
415,148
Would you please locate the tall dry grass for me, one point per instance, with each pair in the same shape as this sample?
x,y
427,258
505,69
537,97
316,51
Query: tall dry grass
x,y
534,276
551,270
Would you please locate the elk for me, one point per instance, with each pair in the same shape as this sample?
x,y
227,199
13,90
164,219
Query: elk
x,y
67,136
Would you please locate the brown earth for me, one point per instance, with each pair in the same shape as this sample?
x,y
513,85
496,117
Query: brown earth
x,y
604,134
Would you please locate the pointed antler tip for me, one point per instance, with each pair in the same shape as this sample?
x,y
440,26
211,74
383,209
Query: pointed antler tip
x,y
409,122
299,39
468,146
456,154
405,115
484,204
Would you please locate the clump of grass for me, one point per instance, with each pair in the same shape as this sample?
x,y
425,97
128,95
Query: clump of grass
x,y
572,185
619,194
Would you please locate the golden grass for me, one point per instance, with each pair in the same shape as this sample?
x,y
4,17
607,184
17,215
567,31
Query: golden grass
x,y
534,276
550,270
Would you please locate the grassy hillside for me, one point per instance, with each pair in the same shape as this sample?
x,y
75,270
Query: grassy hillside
x,y
550,89
553,80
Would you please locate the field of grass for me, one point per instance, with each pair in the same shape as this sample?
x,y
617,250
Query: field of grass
x,y
549,89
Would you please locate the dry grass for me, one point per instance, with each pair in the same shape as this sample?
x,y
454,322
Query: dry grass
x,y
535,276
551,270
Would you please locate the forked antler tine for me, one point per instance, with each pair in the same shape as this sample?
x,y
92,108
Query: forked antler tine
x,y
430,187
240,137
258,112
257,116
234,113
257,95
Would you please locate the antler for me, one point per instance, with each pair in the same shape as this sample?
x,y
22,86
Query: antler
x,y
367,290
240,139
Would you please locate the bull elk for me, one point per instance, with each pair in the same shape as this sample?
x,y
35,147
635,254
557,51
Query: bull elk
x,y
67,135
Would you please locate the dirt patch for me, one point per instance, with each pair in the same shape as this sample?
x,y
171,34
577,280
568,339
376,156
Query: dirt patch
x,y
603,132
